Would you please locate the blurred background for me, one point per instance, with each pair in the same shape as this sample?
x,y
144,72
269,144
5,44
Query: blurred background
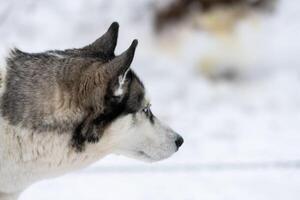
x,y
225,74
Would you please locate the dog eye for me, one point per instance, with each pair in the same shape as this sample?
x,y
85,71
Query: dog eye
x,y
147,110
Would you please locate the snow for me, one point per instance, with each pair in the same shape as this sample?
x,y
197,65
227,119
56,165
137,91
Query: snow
x,y
241,137
258,185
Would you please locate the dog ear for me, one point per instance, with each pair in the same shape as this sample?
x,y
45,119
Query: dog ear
x,y
119,67
112,74
121,64
106,43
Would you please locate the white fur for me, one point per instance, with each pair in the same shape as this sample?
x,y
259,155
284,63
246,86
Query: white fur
x,y
140,139
55,55
122,78
27,157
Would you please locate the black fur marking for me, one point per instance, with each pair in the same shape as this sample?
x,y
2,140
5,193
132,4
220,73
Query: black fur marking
x,y
151,117
149,114
78,139
114,108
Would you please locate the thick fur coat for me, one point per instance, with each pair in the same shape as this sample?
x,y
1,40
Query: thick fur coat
x,y
62,110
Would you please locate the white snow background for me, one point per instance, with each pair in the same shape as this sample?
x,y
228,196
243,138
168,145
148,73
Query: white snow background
x,y
242,138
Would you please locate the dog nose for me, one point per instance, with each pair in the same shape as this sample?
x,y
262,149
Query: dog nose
x,y
179,141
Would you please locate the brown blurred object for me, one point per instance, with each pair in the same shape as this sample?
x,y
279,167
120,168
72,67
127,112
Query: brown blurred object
x,y
178,10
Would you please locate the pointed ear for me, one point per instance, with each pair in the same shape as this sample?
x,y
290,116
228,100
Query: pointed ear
x,y
106,43
113,71
120,64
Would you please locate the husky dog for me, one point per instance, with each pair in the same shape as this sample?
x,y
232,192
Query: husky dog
x,y
63,110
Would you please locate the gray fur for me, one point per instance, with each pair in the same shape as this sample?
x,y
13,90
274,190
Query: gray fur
x,y
71,90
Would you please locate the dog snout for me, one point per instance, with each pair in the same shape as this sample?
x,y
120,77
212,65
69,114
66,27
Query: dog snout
x,y
179,141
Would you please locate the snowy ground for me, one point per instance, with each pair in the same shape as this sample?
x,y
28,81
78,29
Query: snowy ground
x,y
241,138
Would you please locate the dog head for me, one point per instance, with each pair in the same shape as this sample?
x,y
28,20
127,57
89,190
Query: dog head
x,y
130,126
91,93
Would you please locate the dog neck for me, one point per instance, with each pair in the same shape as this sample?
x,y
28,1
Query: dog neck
x,y
29,156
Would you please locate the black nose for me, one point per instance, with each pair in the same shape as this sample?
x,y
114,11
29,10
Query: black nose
x,y
179,141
